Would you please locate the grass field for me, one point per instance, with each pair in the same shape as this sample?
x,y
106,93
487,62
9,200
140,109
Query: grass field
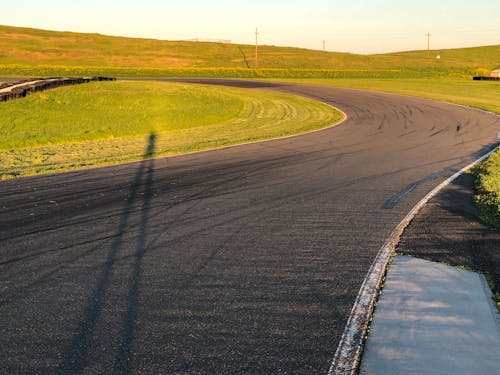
x,y
111,122
33,52
488,190
103,111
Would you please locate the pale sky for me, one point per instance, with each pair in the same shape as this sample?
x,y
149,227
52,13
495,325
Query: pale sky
x,y
359,26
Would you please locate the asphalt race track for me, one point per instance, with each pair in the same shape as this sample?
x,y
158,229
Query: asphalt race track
x,y
240,260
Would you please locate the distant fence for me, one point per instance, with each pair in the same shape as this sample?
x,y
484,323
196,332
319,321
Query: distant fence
x,y
486,78
20,89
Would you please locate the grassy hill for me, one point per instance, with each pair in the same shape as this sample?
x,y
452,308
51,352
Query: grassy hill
x,y
25,51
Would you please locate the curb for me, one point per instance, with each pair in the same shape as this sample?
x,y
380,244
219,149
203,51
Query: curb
x,y
348,355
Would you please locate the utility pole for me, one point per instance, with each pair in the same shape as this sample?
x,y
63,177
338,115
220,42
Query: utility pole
x,y
256,48
324,45
428,35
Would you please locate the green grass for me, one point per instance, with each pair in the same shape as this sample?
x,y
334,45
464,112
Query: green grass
x,y
103,111
17,70
487,181
110,122
33,52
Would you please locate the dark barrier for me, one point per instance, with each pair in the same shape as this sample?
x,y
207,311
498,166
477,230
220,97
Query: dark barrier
x,y
486,78
23,88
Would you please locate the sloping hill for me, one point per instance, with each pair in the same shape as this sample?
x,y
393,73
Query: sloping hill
x,y
21,48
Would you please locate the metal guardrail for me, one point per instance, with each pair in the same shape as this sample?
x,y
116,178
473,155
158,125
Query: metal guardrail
x,y
23,88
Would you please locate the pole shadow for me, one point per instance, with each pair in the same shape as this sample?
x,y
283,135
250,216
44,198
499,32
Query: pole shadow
x,y
76,356
124,359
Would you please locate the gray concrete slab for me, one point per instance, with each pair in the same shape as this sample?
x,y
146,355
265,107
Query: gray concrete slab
x,y
433,319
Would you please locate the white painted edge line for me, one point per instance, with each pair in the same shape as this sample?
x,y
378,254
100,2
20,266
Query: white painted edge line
x,y
348,355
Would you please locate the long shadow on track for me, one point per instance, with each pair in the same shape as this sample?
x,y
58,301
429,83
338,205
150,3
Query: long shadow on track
x,y
76,356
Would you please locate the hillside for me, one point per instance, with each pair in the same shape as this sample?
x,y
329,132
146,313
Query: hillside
x,y
23,49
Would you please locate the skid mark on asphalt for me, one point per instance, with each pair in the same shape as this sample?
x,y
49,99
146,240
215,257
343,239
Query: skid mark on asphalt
x,y
391,202
382,122
439,131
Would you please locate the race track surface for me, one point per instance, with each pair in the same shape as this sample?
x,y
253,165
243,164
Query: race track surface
x,y
246,259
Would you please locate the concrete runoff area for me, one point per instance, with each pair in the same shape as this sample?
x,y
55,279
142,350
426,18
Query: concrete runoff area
x,y
433,319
